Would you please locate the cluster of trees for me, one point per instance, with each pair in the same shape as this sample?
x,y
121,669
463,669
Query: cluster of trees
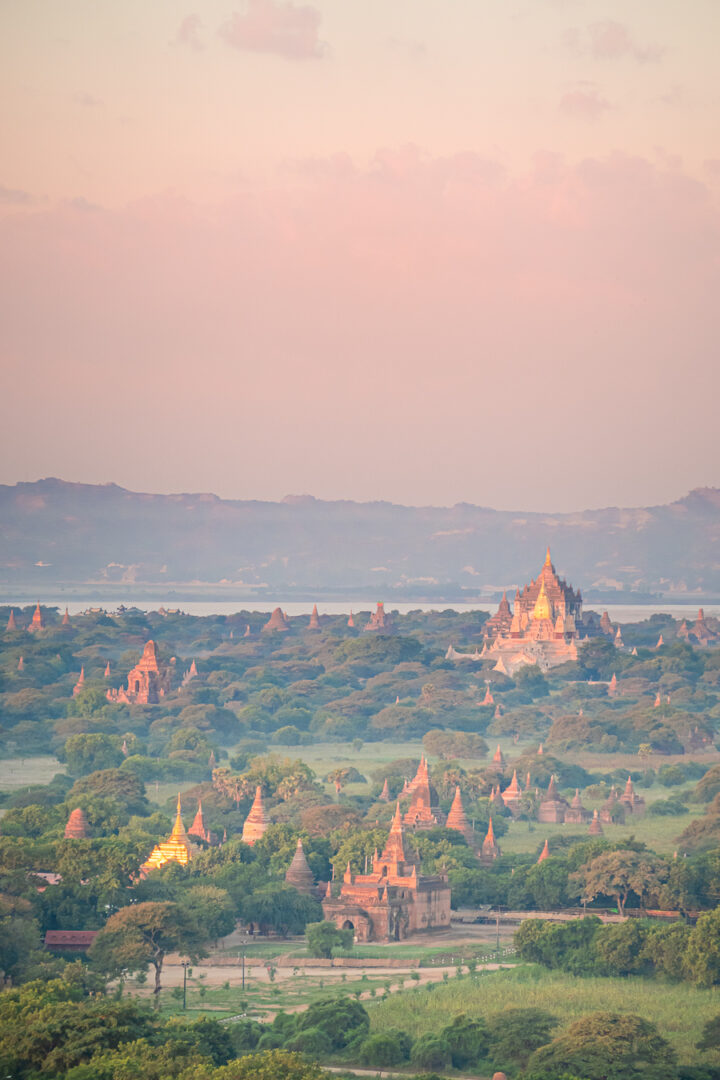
x,y
676,951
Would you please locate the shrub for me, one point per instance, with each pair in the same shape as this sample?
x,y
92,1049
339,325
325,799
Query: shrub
x,y
430,1052
310,1041
468,1040
385,1048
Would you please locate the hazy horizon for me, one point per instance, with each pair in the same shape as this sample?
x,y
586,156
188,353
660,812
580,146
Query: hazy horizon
x,y
372,251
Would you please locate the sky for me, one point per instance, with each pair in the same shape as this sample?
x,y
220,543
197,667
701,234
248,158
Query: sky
x,y
429,251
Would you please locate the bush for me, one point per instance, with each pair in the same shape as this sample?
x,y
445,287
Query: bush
x,y
385,1048
310,1041
468,1040
340,1019
430,1052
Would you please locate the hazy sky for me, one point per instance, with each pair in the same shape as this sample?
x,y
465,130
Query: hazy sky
x,y
422,250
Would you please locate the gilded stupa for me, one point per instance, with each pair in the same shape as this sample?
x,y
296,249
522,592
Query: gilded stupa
x,y
177,848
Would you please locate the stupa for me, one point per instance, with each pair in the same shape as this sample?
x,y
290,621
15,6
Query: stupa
x,y
545,853
498,761
596,828
553,807
424,809
384,795
394,899
66,618
177,848
500,622
257,821
11,624
633,803
314,623
612,809
77,826
107,670
490,849
198,827
277,622
299,874
512,794
700,633
576,814
36,623
456,818
80,683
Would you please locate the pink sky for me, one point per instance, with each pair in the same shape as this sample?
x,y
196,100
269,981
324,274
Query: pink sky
x,y
401,249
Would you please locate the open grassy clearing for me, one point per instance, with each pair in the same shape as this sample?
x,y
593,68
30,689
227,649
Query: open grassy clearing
x,y
678,1010
659,833
22,772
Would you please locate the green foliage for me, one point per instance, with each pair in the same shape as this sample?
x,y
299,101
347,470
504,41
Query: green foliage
x,y
85,754
606,1046
385,1048
430,1052
341,1020
468,1040
323,937
515,1033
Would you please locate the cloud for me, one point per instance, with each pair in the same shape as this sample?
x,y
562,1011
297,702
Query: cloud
x,y
584,104
14,197
189,33
409,47
610,40
81,97
275,27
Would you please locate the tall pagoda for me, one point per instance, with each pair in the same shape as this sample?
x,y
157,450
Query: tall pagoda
x,y
177,848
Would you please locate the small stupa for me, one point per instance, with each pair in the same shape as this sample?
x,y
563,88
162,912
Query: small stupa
x,y
107,670
384,795
21,664
351,620
247,630
488,699
77,826
512,794
198,827
257,821
613,686
660,642
576,814
66,618
545,853
498,761
490,848
456,818
80,683
36,622
595,828
277,621
314,623
298,873
11,624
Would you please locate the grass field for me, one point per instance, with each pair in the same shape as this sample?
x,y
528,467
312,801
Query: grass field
x,y
659,833
22,772
679,1011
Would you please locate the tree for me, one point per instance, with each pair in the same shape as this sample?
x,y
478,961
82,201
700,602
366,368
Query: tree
x,y
702,958
211,908
385,1048
342,1020
267,1065
281,908
620,950
144,934
119,784
516,1033
455,745
90,753
323,937
606,1046
619,873
468,1040
430,1052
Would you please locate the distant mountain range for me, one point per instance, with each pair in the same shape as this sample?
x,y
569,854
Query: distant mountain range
x,y
58,534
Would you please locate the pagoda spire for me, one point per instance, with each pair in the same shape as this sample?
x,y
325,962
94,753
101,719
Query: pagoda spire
x,y
257,822
314,623
545,853
11,624
456,819
66,618
548,560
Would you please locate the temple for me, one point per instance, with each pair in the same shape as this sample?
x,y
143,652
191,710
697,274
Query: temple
x,y
424,810
77,826
177,848
380,622
146,683
543,628
299,874
394,899
80,683
257,821
553,807
700,633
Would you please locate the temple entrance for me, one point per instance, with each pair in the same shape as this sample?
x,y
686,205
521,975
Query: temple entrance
x,y
347,925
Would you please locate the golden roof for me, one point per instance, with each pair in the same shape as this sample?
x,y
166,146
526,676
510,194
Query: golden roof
x,y
542,605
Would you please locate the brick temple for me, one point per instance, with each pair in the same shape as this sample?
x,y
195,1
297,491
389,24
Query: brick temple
x,y
394,899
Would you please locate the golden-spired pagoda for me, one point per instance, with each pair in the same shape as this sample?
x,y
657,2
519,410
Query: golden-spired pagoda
x,y
177,848
545,624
